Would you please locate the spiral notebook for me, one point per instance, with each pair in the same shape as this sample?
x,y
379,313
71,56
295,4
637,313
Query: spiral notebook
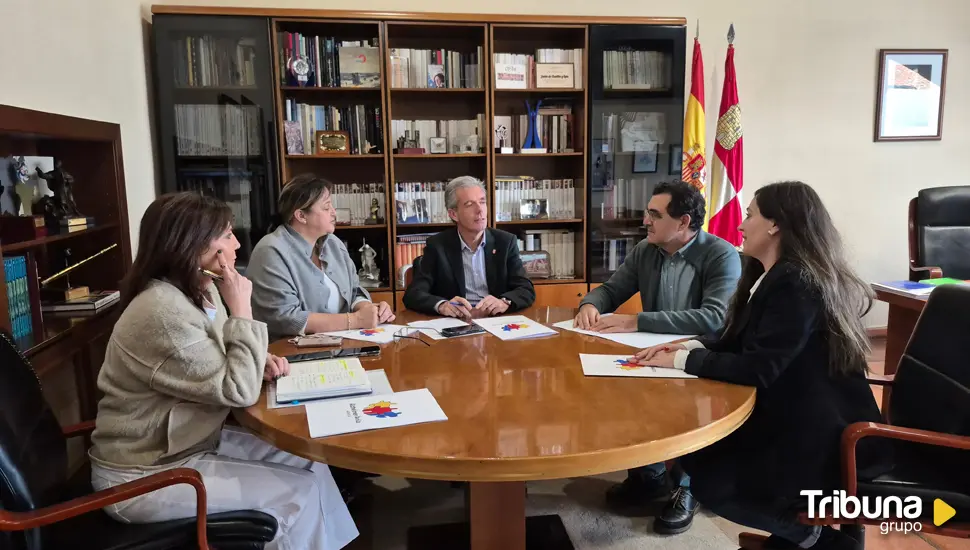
x,y
318,379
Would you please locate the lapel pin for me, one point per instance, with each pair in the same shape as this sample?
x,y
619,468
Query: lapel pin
x,y
493,251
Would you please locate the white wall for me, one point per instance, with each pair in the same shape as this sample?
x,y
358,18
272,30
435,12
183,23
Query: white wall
x,y
806,72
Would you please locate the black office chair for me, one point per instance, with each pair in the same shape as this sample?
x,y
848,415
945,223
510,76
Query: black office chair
x,y
928,422
939,233
41,508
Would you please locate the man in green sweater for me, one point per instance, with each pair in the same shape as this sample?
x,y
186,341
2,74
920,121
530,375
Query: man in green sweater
x,y
685,278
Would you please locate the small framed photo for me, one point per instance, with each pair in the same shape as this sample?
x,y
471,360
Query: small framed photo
x,y
537,264
645,162
439,145
534,209
909,95
676,159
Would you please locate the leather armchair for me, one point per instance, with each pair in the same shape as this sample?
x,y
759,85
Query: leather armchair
x,y
41,508
939,233
927,422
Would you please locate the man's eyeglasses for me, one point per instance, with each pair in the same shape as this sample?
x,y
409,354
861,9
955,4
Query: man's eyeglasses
x,y
412,334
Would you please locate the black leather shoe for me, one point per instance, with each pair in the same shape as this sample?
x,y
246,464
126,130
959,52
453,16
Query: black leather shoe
x,y
636,493
678,515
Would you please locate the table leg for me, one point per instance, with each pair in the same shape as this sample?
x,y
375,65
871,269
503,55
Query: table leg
x,y
497,513
900,327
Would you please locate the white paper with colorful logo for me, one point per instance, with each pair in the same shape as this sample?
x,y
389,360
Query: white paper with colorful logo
x,y
372,412
625,365
514,327
383,334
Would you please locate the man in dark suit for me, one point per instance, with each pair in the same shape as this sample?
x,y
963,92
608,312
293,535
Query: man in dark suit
x,y
479,267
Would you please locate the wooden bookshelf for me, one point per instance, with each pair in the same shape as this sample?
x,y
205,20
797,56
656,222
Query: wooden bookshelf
x,y
460,100
69,347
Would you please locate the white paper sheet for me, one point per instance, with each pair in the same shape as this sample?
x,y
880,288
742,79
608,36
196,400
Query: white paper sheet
x,y
639,340
378,381
619,365
372,412
514,327
437,324
382,334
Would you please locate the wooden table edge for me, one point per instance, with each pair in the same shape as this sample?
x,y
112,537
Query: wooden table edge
x,y
503,469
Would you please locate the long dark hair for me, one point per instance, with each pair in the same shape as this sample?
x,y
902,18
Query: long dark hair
x,y
810,241
175,230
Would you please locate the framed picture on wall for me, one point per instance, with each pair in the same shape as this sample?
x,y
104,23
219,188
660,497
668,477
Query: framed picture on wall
x,y
909,95
645,162
676,159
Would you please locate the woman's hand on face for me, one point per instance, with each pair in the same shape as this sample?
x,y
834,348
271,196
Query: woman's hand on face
x,y
276,367
235,289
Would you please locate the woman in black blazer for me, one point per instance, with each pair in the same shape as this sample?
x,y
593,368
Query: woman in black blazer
x,y
794,331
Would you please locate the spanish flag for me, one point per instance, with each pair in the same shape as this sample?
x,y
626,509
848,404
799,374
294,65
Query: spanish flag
x,y
694,163
727,172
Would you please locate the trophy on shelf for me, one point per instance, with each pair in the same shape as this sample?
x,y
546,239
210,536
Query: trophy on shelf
x,y
375,213
369,274
60,210
532,143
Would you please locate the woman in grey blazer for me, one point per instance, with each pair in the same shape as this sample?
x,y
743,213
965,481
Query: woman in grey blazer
x,y
304,280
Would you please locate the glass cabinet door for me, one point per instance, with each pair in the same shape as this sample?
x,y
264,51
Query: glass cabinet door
x,y
215,109
636,131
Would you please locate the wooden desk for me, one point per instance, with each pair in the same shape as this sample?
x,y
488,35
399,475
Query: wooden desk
x,y
904,311
517,411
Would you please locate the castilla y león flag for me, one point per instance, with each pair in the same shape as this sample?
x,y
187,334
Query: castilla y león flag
x,y
694,163
727,167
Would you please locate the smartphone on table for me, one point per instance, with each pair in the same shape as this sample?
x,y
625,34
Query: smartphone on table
x,y
452,332
366,351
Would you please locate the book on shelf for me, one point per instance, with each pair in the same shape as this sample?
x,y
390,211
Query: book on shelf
x,y
210,61
518,71
637,70
92,302
420,202
614,251
406,249
624,198
559,243
462,136
559,196
218,130
16,278
418,68
358,199
554,125
333,63
362,122
320,379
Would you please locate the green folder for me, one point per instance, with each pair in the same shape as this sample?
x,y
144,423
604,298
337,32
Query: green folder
x,y
943,281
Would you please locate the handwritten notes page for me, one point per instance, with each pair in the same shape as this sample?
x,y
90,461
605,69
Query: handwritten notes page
x,y
328,378
374,412
378,382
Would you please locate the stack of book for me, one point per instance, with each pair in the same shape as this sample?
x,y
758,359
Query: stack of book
x,y
217,130
412,68
636,70
408,248
333,63
624,199
362,123
559,196
18,296
518,71
455,132
204,61
91,303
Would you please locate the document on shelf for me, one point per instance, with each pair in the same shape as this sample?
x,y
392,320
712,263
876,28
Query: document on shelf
x,y
327,378
378,382
432,327
639,340
374,412
625,365
514,327
381,334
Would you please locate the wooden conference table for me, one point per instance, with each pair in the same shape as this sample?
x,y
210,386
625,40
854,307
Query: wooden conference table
x,y
904,311
517,411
